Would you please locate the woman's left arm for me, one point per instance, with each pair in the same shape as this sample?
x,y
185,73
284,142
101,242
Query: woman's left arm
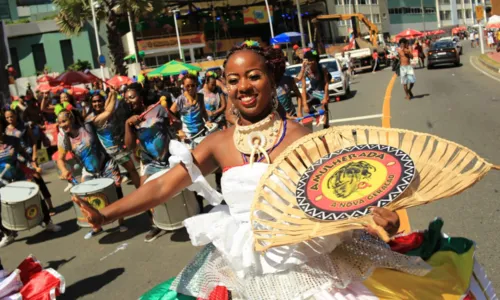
x,y
222,106
326,97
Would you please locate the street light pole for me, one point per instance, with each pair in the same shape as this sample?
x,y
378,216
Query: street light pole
x,y
98,43
299,15
423,12
175,11
270,19
133,36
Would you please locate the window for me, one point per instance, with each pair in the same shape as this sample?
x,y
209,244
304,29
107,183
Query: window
x,y
362,2
150,61
430,10
374,2
468,14
445,15
348,2
446,2
39,56
67,53
338,2
466,1
459,14
163,59
15,61
376,18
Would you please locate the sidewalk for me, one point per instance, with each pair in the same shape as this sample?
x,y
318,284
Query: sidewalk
x,y
490,60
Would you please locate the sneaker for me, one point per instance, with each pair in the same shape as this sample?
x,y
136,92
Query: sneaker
x,y
152,234
7,239
91,234
52,227
123,228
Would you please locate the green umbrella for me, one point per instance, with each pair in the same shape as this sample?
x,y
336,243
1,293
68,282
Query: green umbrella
x,y
172,68
132,56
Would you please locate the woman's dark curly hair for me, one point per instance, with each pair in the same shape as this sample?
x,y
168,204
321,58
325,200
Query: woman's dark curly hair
x,y
275,61
190,76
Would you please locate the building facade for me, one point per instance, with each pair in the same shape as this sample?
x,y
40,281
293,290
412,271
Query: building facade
x,y
375,10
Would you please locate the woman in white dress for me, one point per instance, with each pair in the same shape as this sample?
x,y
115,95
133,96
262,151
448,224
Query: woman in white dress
x,y
331,267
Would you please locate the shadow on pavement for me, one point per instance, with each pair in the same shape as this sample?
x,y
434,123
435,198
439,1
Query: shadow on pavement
x,y
56,264
351,95
180,235
91,285
63,207
67,227
136,225
420,96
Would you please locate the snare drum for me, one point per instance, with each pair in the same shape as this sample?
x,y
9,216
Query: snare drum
x,y
98,192
170,215
21,205
198,140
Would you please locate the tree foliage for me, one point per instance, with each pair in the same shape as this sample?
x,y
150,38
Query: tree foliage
x,y
80,65
74,13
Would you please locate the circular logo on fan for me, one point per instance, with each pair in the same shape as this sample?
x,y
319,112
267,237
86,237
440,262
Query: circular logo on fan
x,y
344,184
31,212
98,201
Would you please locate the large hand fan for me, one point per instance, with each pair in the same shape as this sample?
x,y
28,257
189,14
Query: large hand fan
x,y
326,182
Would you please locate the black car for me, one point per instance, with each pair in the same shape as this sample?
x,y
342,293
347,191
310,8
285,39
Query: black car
x,y
443,52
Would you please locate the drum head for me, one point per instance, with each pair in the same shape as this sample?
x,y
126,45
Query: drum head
x,y
18,191
91,186
199,139
156,175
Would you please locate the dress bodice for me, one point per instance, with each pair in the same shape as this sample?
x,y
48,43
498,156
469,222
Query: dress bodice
x,y
238,188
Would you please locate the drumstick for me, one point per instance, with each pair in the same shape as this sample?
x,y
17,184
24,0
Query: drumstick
x,y
319,113
87,71
141,116
7,166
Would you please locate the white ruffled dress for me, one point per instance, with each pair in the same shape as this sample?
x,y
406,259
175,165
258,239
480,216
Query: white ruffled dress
x,y
330,267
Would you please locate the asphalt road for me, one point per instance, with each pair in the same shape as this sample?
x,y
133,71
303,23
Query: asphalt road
x,y
460,104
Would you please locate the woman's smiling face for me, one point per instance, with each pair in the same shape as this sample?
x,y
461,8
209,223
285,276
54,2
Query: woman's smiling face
x,y
250,86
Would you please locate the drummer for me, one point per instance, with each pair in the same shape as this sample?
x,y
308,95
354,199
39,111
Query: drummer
x,y
10,171
107,117
28,142
190,105
154,134
215,100
81,141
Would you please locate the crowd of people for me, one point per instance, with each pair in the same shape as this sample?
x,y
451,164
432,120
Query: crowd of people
x,y
112,128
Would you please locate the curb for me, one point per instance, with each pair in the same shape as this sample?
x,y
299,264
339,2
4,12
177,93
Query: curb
x,y
487,64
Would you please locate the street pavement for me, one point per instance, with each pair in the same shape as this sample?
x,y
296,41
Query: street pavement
x,y
456,103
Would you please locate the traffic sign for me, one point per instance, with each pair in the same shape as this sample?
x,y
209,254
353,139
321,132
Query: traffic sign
x,y
479,12
102,59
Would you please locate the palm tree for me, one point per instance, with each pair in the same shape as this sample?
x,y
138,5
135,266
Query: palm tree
x,y
74,13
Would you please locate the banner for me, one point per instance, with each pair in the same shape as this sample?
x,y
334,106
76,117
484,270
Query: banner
x,y
150,44
225,45
256,15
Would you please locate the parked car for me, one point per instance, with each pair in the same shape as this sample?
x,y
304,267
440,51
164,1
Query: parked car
x,y
293,71
443,52
456,42
338,86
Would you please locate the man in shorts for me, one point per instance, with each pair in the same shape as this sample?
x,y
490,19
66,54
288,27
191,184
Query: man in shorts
x,y
108,118
406,70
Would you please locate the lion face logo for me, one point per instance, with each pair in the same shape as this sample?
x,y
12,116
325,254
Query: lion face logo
x,y
349,178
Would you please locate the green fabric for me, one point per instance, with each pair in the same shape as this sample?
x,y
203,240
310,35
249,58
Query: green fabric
x,y
163,292
172,68
435,242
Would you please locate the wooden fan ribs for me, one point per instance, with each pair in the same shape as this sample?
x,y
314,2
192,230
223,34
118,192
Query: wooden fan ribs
x,y
443,168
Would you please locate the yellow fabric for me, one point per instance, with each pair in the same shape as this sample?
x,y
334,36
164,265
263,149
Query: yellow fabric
x,y
448,280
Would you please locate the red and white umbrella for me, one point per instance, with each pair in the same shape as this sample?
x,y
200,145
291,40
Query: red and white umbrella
x,y
73,78
117,81
438,32
45,78
44,87
72,90
493,22
409,34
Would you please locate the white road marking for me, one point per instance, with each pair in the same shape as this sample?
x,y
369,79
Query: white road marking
x,y
353,119
482,71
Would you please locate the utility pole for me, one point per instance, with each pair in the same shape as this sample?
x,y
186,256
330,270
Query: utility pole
x,y
175,11
299,15
423,12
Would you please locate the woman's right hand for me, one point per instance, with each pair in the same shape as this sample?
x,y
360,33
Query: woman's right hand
x,y
93,216
133,120
65,175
